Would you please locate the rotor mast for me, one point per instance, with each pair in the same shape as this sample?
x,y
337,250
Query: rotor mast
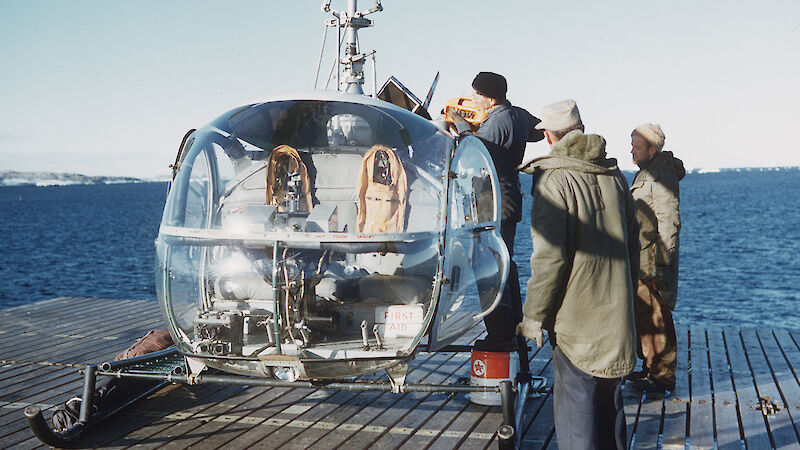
x,y
350,67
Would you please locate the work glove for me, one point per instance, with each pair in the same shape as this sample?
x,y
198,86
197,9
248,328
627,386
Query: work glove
x,y
454,116
532,330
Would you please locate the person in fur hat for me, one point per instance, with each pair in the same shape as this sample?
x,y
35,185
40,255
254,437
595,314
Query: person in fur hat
x,y
657,197
584,263
505,133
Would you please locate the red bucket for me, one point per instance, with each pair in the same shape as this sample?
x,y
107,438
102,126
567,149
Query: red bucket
x,y
489,369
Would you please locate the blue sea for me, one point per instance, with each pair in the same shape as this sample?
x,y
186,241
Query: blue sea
x,y
739,262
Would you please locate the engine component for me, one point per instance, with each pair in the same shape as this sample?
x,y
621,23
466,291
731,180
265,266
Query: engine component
x,y
220,333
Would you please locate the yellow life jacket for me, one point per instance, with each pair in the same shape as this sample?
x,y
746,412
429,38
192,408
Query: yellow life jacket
x,y
382,191
283,161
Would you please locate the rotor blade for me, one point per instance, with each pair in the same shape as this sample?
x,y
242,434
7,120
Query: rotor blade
x,y
430,92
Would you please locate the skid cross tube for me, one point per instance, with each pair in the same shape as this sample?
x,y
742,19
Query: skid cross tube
x,y
324,385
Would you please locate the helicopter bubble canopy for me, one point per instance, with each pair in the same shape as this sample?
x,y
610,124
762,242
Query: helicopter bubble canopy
x,y
314,234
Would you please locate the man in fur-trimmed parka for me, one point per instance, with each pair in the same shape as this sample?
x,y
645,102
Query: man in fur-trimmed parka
x,y
657,197
584,263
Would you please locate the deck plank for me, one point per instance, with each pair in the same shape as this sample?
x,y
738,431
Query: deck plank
x,y
726,420
701,428
789,367
677,407
538,426
791,351
754,427
650,421
541,429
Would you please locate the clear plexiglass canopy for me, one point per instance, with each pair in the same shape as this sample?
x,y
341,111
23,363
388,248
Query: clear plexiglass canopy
x,y
304,232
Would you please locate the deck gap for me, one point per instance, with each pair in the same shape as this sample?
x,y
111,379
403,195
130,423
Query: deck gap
x,y
713,390
632,440
549,438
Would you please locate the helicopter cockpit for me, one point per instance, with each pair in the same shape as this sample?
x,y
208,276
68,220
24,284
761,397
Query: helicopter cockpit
x,y
326,237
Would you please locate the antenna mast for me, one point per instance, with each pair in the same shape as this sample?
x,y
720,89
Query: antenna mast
x,y
350,78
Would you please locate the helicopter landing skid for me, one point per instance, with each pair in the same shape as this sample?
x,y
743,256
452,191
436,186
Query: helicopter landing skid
x,y
168,366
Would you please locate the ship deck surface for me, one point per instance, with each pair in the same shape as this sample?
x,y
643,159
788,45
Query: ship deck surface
x,y
724,376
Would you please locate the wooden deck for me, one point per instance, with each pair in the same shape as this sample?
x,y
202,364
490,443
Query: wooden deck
x,y
722,374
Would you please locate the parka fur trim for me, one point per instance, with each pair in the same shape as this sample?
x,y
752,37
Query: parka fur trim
x,y
576,151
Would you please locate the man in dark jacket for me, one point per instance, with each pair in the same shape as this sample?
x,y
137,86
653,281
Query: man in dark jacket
x,y
505,133
657,196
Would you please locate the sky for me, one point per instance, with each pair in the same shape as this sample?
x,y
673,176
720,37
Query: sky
x,y
103,87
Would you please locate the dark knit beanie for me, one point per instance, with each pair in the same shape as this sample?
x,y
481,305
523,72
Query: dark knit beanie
x,y
490,84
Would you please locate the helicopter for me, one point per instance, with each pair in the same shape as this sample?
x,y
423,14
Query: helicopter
x,y
325,235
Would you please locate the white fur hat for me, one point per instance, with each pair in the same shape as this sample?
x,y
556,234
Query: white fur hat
x,y
651,133
559,116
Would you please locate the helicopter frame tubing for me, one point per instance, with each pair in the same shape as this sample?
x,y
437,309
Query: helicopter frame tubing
x,y
168,367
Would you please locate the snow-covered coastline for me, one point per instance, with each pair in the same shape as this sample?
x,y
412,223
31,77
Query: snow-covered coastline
x,y
14,178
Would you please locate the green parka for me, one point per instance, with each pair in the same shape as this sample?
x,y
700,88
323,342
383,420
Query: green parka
x,y
585,255
657,197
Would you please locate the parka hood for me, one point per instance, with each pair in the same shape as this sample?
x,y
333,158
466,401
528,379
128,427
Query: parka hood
x,y
576,151
666,160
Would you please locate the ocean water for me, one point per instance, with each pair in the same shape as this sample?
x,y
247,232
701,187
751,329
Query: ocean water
x,y
78,241
739,251
740,245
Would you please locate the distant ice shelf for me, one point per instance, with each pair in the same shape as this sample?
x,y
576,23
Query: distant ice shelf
x,y
745,169
14,178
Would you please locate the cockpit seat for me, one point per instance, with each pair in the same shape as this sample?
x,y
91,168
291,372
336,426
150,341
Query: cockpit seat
x,y
284,170
382,190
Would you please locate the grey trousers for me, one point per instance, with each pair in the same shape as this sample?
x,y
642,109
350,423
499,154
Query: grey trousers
x,y
587,410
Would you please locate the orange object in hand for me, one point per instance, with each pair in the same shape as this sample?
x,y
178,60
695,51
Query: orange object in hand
x,y
466,108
